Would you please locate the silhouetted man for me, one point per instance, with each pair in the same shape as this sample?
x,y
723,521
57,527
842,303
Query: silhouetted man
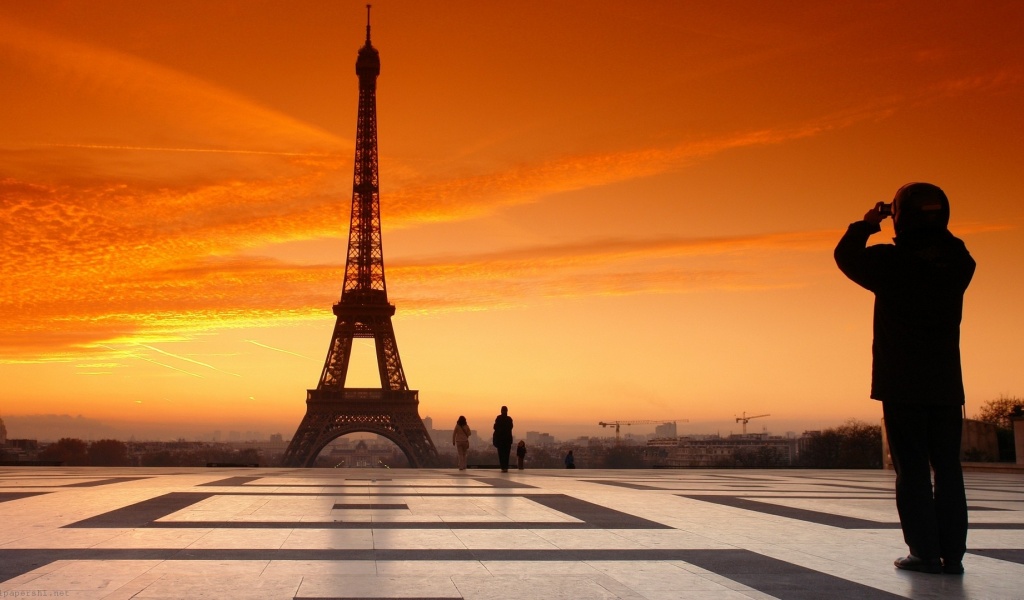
x,y
503,437
919,284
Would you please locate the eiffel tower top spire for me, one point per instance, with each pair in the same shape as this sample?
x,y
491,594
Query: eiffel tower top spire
x,y
368,24
364,265
368,63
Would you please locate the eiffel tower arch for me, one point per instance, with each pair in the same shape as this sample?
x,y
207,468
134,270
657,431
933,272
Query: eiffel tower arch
x,y
333,410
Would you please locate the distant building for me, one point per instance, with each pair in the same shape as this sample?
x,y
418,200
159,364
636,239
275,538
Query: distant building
x,y
24,445
666,430
752,450
3,433
442,438
536,438
362,455
17,450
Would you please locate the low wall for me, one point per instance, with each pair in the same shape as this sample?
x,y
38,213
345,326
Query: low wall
x,y
1018,436
978,443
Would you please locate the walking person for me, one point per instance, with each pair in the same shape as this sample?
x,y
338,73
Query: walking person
x,y
460,437
570,461
919,284
502,438
520,454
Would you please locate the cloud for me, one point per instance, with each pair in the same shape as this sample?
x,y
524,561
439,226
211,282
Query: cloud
x,y
206,293
456,198
180,298
141,234
123,96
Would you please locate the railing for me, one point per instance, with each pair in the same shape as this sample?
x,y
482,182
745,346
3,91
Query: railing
x,y
362,395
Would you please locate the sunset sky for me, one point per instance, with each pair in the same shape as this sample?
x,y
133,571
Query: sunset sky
x,y
591,210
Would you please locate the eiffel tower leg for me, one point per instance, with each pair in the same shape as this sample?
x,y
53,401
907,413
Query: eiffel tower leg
x,y
301,450
338,356
392,377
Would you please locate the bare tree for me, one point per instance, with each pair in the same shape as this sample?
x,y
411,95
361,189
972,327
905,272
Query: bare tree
x,y
998,411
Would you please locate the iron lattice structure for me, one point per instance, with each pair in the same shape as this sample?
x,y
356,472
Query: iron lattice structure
x,y
332,410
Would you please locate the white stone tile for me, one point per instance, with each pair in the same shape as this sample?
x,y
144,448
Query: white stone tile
x,y
412,539
232,538
431,568
540,568
377,586
220,586
305,568
154,538
563,587
503,539
331,539
93,579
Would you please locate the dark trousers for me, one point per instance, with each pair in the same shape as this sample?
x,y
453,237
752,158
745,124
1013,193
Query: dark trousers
x,y
503,452
922,439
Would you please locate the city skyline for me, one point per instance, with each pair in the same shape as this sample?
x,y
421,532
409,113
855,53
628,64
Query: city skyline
x,y
591,211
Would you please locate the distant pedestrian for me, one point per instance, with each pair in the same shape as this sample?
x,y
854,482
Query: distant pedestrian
x,y
521,454
919,284
460,437
570,462
502,438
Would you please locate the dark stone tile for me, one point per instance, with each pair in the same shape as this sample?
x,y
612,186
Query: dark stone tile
x,y
781,579
371,506
1015,555
230,482
8,496
799,514
99,482
594,515
632,486
820,518
141,514
502,482
342,524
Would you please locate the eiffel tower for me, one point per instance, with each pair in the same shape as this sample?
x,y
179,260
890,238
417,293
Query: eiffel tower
x,y
332,410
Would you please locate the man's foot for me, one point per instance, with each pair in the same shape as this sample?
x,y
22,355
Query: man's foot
x,y
921,565
952,568
504,470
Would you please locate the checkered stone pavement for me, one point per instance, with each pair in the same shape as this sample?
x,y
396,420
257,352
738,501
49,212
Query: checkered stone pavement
x,y
480,534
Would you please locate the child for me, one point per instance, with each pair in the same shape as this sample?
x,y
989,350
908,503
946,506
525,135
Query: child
x,y
521,453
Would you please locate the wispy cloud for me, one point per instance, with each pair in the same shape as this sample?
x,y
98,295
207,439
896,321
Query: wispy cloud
x,y
137,356
136,241
207,293
187,359
429,199
187,150
255,343
143,95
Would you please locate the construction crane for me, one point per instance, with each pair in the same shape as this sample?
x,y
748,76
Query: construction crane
x,y
617,424
745,419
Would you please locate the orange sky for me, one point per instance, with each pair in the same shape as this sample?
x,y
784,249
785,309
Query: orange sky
x,y
592,210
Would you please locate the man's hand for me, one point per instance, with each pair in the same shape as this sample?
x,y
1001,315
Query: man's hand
x,y
874,215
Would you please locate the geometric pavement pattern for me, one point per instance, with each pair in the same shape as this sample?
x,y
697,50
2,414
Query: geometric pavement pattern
x,y
479,534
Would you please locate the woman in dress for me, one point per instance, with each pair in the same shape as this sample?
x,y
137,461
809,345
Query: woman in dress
x,y
460,437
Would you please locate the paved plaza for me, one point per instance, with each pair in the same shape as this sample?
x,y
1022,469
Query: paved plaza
x,y
444,534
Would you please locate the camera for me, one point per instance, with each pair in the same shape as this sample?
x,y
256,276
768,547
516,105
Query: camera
x,y
884,209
